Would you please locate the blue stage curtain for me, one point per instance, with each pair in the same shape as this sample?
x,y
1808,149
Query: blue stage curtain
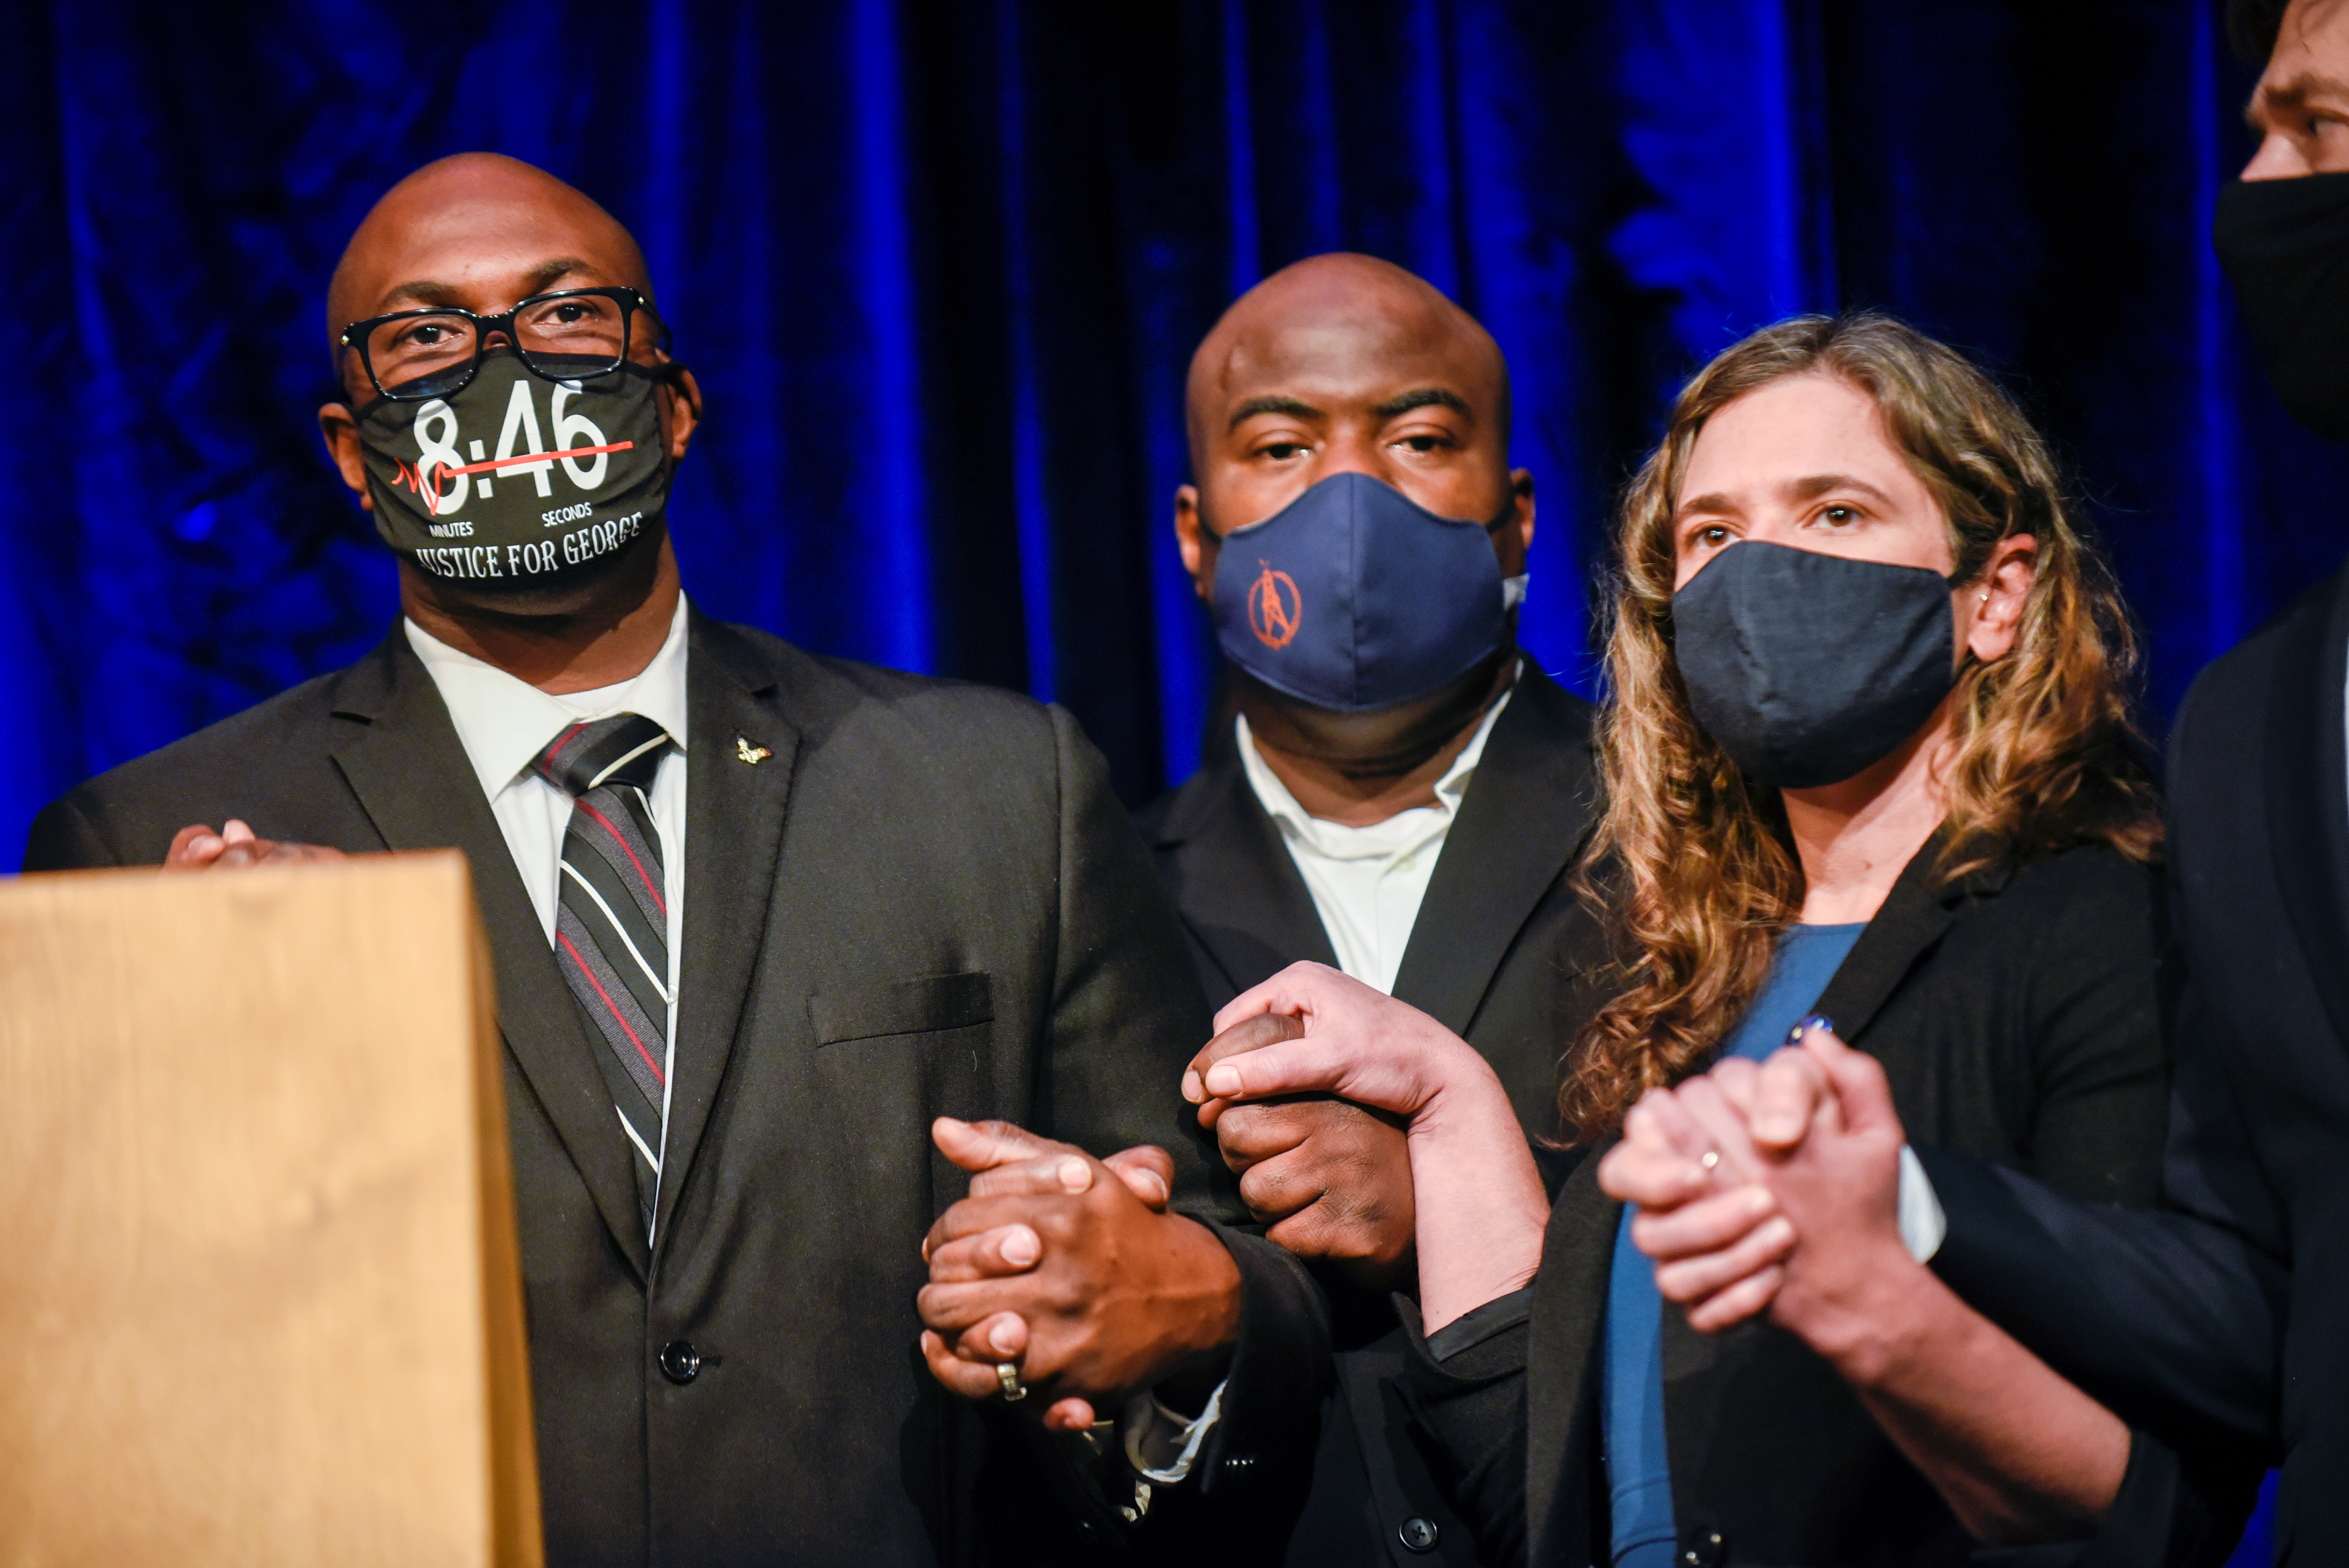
x,y
941,268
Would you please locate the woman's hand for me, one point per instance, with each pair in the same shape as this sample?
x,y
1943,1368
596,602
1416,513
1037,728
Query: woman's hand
x,y
1704,1216
1478,1204
1837,1184
1807,1224
1357,1043
1727,1168
1327,1178
1721,1207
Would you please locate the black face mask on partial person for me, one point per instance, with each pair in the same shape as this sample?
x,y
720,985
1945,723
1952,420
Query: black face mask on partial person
x,y
516,482
1807,668
2285,247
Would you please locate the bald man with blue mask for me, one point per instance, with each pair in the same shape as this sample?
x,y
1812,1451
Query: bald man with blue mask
x,y
1402,795
1398,791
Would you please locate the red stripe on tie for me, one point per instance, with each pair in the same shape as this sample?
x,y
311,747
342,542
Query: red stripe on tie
x,y
561,741
616,1011
659,903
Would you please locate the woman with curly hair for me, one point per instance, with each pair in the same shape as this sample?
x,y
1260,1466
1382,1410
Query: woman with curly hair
x,y
1869,755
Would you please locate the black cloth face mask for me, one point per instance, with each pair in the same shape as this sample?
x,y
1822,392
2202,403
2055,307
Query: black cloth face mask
x,y
1806,668
517,482
2285,246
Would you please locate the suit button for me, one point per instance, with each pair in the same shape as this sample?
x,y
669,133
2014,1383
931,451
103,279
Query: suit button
x,y
680,1363
1703,1549
1417,1534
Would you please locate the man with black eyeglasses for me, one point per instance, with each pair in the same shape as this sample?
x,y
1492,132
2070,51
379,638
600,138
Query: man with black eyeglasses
x,y
756,918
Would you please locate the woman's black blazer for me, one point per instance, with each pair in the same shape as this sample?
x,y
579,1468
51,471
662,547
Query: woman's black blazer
x,y
2017,1017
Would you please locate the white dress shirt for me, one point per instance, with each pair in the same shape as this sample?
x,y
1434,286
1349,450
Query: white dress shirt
x,y
1367,883
504,722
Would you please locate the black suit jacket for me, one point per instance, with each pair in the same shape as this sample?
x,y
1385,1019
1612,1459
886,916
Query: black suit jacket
x,y
1502,954
2017,1020
925,902
2223,1322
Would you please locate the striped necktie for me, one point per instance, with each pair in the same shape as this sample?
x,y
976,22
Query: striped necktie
x,y
611,927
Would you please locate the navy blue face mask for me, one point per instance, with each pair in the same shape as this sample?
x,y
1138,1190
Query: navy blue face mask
x,y
1806,668
1353,597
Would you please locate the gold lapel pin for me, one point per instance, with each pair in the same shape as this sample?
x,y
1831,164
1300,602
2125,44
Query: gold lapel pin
x,y
747,752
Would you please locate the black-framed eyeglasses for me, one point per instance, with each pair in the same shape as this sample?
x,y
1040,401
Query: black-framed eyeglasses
x,y
570,334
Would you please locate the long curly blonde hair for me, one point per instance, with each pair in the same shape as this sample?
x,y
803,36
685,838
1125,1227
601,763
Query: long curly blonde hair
x,y
1692,863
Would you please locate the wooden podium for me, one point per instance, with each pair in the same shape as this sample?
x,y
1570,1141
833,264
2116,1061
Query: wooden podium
x,y
259,1295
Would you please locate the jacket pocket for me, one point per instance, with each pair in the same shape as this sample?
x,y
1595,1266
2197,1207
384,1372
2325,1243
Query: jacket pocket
x,y
907,1007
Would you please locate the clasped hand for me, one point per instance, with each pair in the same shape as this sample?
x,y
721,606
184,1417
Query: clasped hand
x,y
1315,1129
1072,1270
1328,1179
1771,1187
1313,1030
1461,1192
1094,1292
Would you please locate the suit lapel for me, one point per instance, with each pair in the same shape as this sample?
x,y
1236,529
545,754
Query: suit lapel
x,y
1916,913
1562,1348
735,799
1235,881
409,772
2308,797
1529,807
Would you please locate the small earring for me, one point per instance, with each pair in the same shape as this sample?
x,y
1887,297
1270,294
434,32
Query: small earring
x,y
1985,595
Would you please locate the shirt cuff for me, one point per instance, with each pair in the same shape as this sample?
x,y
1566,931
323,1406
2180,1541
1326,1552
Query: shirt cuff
x,y
1160,1444
1922,1224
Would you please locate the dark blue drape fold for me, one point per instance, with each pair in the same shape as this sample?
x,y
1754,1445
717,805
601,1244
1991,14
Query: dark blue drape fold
x,y
941,268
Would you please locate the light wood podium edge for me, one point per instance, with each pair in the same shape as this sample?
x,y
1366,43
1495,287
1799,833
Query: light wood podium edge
x,y
517,1539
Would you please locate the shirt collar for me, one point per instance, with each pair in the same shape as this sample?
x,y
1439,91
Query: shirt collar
x,y
1338,837
504,722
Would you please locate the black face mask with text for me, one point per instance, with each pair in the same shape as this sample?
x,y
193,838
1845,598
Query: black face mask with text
x,y
518,483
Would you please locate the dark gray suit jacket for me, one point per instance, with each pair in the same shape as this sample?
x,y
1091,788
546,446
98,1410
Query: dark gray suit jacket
x,y
925,902
1502,954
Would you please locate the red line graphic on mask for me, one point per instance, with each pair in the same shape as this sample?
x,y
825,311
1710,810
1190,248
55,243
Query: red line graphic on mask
x,y
1273,606
426,479
542,457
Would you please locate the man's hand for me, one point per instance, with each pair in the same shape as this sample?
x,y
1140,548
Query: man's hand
x,y
1351,1041
197,847
2020,1455
1477,1201
1330,1178
1839,1184
1087,1284
1731,1167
